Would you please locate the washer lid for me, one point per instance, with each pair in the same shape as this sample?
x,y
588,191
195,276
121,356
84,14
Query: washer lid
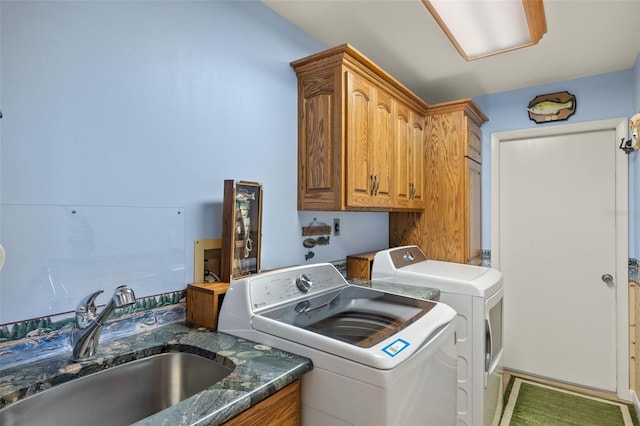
x,y
355,315
367,326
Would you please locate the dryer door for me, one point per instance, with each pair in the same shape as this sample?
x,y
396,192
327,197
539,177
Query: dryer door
x,y
493,333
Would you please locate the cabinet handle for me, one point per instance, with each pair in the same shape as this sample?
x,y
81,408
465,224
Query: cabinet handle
x,y
376,185
373,186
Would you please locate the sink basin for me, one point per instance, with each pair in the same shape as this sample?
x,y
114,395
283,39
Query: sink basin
x,y
120,395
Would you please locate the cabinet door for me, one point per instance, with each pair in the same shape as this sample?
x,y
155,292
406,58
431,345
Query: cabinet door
x,y
409,139
402,141
474,213
416,161
359,134
381,150
319,143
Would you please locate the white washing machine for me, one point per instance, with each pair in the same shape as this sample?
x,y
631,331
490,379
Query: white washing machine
x,y
378,358
476,293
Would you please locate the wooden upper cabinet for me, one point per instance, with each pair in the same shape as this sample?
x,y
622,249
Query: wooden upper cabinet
x,y
473,222
449,228
348,134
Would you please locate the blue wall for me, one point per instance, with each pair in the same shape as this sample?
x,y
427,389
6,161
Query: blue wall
x,y
598,97
126,104
636,81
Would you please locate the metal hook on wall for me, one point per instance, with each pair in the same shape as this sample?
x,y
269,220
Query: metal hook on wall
x,y
628,146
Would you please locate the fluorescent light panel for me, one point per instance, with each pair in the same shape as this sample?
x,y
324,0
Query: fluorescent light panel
x,y
480,28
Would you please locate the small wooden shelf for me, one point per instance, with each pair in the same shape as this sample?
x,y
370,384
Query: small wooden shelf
x,y
203,303
359,265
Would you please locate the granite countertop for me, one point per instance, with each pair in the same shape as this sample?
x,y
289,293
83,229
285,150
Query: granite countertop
x,y
428,293
258,372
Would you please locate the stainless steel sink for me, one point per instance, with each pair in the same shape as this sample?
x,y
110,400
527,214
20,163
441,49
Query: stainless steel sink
x,y
119,395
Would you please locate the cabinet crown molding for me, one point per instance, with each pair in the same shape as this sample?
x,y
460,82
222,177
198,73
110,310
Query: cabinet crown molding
x,y
347,55
467,106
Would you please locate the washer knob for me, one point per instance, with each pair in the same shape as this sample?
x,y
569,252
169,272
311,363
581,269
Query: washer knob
x,y
303,282
408,256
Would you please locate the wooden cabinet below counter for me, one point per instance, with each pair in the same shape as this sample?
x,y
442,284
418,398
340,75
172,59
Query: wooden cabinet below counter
x,y
283,408
357,132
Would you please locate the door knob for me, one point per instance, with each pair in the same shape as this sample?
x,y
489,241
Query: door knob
x,y
608,279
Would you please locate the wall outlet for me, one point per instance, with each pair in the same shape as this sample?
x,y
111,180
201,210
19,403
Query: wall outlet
x,y
336,227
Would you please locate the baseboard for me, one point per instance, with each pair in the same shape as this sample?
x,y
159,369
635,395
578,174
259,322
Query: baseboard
x,y
635,401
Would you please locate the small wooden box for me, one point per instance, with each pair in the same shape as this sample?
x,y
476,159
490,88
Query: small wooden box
x,y
359,265
203,303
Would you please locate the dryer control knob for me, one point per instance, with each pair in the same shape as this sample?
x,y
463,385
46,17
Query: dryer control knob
x,y
303,282
408,256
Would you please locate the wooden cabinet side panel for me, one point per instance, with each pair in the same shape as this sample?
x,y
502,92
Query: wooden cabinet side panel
x,y
474,212
444,216
474,142
203,303
634,335
281,409
406,228
359,265
200,307
319,142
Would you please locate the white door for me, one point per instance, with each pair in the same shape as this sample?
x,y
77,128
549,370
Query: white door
x,y
558,246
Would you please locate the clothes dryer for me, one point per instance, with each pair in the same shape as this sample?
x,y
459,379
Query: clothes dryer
x,y
476,293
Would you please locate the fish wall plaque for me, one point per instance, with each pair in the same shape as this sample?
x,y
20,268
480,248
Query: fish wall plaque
x,y
552,107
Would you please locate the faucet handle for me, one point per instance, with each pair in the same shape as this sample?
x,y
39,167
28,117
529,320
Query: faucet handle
x,y
86,309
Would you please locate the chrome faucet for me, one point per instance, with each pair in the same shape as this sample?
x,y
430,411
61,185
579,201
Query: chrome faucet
x,y
86,331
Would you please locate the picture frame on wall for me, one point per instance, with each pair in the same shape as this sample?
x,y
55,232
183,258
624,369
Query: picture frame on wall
x,y
241,229
207,259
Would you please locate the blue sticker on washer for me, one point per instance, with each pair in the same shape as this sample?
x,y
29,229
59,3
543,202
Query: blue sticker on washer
x,y
396,347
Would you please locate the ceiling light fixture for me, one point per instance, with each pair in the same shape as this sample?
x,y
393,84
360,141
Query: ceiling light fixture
x,y
481,28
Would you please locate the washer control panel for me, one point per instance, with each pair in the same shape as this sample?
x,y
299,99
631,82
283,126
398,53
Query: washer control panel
x,y
404,256
277,287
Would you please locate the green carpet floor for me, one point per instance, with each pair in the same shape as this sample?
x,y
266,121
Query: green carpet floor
x,y
528,403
